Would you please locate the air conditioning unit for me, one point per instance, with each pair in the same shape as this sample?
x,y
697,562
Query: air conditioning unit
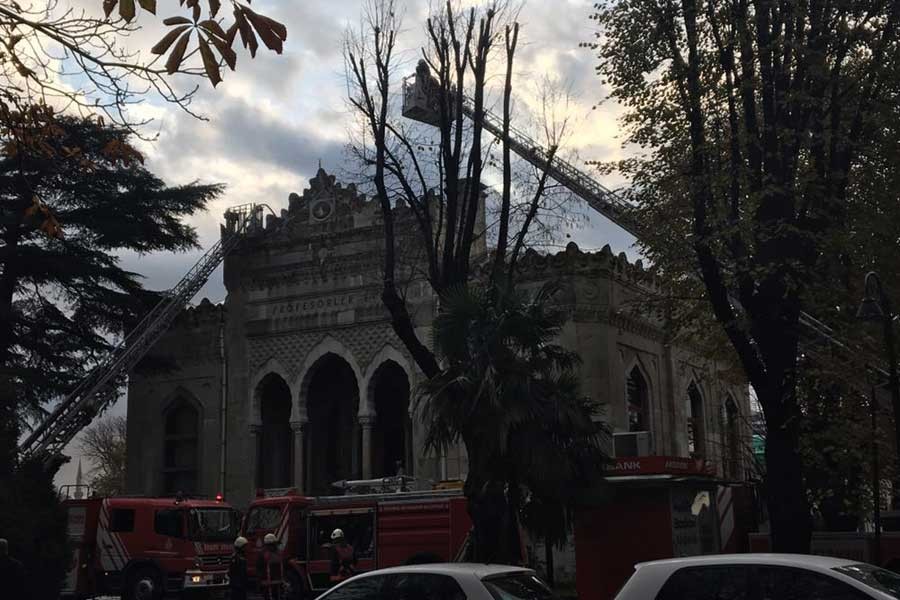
x,y
633,443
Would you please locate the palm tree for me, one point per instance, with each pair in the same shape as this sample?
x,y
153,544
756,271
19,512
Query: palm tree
x,y
510,394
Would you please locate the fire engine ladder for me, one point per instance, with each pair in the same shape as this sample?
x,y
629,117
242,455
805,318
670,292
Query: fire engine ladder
x,y
100,388
419,106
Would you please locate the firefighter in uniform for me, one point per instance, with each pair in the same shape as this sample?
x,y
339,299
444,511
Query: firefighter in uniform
x,y
237,571
270,569
343,557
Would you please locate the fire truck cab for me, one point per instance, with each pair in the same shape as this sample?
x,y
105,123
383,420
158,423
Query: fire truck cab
x,y
385,530
147,547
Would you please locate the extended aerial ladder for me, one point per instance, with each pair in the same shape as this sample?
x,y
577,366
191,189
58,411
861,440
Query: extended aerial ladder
x,y
419,104
101,387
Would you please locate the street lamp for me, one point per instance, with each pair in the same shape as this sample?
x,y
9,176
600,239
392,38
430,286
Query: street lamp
x,y
876,477
875,306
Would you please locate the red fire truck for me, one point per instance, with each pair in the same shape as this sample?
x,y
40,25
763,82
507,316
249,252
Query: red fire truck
x,y
143,548
385,529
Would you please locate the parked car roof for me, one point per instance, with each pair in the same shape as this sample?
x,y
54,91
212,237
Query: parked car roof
x,y
794,560
480,570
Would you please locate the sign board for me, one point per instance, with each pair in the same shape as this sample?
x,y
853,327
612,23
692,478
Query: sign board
x,y
693,522
658,465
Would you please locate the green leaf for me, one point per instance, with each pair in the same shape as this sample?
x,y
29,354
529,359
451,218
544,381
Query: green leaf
x,y
177,55
126,10
163,45
177,21
225,50
214,28
209,62
108,6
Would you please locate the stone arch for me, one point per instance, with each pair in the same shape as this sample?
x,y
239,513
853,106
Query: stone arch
x,y
388,393
387,352
270,367
329,396
182,418
274,400
328,345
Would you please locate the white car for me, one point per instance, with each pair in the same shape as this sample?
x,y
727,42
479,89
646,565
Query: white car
x,y
443,581
760,577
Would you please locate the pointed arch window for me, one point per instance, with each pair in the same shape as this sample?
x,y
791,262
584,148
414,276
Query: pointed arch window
x,y
696,431
181,449
637,401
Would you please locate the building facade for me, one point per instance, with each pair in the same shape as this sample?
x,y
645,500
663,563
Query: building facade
x,y
298,380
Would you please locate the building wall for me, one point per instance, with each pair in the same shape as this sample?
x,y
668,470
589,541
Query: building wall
x,y
185,366
306,289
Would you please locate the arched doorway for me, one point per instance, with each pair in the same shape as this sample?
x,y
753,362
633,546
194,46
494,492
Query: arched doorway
x,y
275,443
181,454
391,443
332,404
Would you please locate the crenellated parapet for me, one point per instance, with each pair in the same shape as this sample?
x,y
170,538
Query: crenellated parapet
x,y
573,261
201,315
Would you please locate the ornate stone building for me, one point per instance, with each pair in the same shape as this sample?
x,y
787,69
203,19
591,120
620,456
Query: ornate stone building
x,y
298,380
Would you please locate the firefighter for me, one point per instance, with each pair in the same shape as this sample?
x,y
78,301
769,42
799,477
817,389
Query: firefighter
x,y
237,571
270,569
343,557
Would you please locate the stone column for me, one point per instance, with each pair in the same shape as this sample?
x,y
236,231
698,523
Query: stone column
x,y
255,458
366,422
298,428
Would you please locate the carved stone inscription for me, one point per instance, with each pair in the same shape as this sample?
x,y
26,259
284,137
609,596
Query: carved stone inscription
x,y
332,303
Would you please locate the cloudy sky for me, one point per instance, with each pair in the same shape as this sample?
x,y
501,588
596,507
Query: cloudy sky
x,y
271,122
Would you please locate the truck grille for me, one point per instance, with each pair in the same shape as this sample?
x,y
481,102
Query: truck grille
x,y
215,561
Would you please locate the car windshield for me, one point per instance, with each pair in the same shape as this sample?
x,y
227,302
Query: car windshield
x,y
213,524
880,579
518,586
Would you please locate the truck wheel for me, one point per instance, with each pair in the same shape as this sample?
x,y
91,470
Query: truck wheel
x,y
144,584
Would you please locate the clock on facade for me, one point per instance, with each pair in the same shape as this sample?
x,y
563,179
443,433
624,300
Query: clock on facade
x,y
321,207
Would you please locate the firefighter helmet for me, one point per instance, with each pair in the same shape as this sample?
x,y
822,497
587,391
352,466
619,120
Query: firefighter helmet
x,y
337,534
240,542
270,539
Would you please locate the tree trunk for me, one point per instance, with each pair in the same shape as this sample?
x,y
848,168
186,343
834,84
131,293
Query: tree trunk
x,y
548,559
789,515
488,508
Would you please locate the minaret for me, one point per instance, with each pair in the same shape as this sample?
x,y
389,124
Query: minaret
x,y
79,494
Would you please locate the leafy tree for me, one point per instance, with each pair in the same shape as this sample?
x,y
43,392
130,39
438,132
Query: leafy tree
x,y
104,443
752,119
73,193
437,181
510,393
33,521
57,51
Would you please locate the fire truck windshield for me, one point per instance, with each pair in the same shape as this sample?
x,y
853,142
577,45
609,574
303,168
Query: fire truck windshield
x,y
213,524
